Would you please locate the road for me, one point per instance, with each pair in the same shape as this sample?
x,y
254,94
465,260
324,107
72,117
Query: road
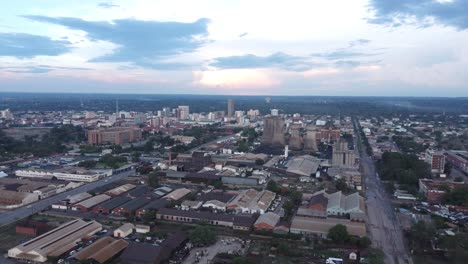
x,y
211,142
25,211
382,224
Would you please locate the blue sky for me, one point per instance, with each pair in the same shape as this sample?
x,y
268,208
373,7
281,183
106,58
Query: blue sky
x,y
333,47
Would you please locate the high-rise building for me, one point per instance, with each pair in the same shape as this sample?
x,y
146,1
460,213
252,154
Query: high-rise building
x,y
6,114
273,131
274,112
295,139
253,112
230,107
183,112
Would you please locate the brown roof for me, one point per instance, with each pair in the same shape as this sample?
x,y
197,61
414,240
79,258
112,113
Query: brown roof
x,y
102,250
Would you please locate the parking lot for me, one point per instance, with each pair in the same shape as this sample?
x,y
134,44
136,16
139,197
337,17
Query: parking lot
x,y
204,255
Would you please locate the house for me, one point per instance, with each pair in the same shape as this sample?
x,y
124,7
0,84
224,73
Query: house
x,y
124,230
267,221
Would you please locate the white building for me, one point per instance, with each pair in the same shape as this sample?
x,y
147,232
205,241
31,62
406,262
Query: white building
x,y
80,175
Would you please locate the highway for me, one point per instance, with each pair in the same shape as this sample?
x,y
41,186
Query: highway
x,y
11,216
383,227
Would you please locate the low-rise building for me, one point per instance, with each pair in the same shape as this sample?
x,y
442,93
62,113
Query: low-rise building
x,y
177,194
434,190
124,230
12,199
108,206
251,201
130,207
320,227
267,221
87,204
66,174
101,251
55,242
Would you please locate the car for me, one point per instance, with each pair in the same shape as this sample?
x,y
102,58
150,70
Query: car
x,y
60,261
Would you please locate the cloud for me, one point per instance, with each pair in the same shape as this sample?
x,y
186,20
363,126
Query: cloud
x,y
107,5
144,43
23,45
342,54
243,34
276,60
358,42
421,12
39,69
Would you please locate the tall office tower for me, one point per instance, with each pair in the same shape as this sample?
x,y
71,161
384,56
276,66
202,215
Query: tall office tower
x,y
230,107
166,111
342,156
183,112
274,112
273,131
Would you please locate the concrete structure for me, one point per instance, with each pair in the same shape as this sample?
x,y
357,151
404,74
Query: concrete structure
x,y
114,135
342,156
66,174
20,133
436,160
273,131
183,112
123,231
55,242
251,201
310,140
295,141
267,221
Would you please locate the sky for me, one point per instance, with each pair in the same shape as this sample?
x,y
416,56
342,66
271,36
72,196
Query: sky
x,y
236,47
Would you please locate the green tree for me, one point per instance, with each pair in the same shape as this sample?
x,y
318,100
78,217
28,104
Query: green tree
x,y
338,234
242,260
88,164
153,180
272,186
203,235
341,185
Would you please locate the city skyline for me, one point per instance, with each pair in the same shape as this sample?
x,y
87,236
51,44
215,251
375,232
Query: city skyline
x,y
368,48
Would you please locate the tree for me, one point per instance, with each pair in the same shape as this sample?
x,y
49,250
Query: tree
x,y
420,236
153,180
136,156
296,197
242,260
272,186
338,234
363,242
88,164
341,185
203,235
149,216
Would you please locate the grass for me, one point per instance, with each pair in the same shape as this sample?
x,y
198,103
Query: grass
x,y
9,238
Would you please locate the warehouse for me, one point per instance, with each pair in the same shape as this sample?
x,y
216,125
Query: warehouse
x,y
107,207
102,250
120,189
63,205
87,204
131,206
320,227
152,206
178,194
55,242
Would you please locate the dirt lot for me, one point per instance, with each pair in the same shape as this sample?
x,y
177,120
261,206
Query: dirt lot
x,y
223,245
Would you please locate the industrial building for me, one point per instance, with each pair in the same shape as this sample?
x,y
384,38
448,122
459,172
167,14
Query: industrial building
x,y
86,205
66,174
55,242
303,165
251,201
108,206
130,207
102,250
320,227
342,155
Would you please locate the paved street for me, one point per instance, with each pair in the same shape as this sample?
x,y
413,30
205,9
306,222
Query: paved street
x,y
25,211
383,226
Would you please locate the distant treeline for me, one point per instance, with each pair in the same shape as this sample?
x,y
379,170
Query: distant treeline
x,y
320,105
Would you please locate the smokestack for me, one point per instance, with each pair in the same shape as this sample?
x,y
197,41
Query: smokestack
x,y
286,149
